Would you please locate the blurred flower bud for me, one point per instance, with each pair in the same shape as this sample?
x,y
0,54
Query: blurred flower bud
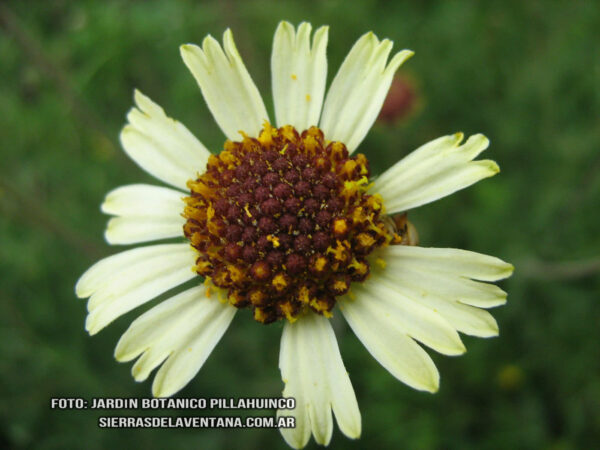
x,y
401,100
510,377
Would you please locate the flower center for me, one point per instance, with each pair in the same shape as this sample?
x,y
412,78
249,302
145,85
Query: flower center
x,y
284,223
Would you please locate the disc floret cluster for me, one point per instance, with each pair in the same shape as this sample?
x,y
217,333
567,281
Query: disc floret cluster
x,y
284,223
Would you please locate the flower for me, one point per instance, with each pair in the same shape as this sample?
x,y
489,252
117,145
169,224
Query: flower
x,y
285,221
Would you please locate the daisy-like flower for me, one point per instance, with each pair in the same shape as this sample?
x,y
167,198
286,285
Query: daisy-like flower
x,y
286,221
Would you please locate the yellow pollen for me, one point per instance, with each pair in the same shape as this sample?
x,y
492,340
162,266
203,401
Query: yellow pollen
x,y
340,227
322,307
357,215
360,267
279,282
260,315
362,162
375,202
308,97
349,167
310,143
274,240
381,263
256,297
303,295
229,159
247,211
351,188
380,230
221,277
340,285
213,226
339,251
363,181
337,148
235,298
201,188
287,132
267,135
207,284
365,240
202,265
236,274
288,310
320,263
294,77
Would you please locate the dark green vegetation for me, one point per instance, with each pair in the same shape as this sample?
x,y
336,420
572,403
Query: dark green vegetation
x,y
524,73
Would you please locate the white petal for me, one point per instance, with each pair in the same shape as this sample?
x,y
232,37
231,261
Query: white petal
x,y
410,317
390,345
211,321
228,90
124,281
450,286
314,374
435,170
453,261
464,318
146,213
160,145
359,89
163,319
439,279
142,200
184,328
133,230
299,74
102,272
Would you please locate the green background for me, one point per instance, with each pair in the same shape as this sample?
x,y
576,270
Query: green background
x,y
524,73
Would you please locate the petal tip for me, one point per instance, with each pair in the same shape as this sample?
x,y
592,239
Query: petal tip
x,y
284,23
187,50
140,99
509,269
481,138
136,94
120,353
109,234
127,131
92,326
81,289
433,387
494,167
354,431
161,389
105,206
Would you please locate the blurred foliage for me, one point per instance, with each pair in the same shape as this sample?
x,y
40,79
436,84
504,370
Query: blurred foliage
x,y
524,73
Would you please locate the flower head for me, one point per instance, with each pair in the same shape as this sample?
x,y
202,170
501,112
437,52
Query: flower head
x,y
286,221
